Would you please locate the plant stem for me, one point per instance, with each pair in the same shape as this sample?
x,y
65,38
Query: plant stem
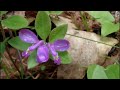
x,y
0,62
22,68
31,75
84,21
0,48
20,58
7,75
3,33
10,33
7,49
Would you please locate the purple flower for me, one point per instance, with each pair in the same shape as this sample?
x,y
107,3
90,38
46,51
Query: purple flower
x,y
43,49
61,45
42,54
56,58
58,45
29,37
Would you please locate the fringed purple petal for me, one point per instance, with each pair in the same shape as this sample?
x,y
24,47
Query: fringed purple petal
x,y
42,54
52,49
28,36
25,54
33,47
57,61
61,45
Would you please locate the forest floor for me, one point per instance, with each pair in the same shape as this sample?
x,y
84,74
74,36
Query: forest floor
x,y
47,70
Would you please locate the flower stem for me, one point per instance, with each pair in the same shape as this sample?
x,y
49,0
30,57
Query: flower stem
x,y
20,58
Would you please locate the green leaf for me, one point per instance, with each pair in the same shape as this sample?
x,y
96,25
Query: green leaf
x,y
106,19
47,12
55,12
104,15
0,59
43,24
2,45
113,71
109,27
58,33
65,57
32,60
3,12
96,72
90,71
43,67
16,42
15,22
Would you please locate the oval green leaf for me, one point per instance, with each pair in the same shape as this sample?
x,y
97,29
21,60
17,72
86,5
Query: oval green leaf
x,y
65,57
3,12
113,71
105,15
43,24
109,27
96,72
17,43
2,45
15,22
32,60
55,12
58,33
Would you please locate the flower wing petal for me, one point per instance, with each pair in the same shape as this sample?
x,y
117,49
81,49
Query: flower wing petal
x,y
52,49
28,36
57,61
61,45
42,54
33,47
25,54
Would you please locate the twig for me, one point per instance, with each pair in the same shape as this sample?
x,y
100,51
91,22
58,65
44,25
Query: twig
x,y
53,73
20,58
31,75
22,68
7,75
7,49
93,40
37,76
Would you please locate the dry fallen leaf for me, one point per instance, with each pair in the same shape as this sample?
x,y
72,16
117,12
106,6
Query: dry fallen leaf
x,y
84,51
